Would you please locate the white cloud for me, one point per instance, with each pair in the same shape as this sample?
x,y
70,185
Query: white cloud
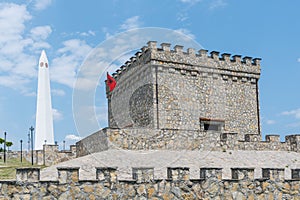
x,y
293,125
190,1
38,35
298,59
41,4
17,48
217,3
106,32
183,13
131,23
30,94
58,92
270,122
13,81
102,115
72,137
182,16
71,55
57,115
78,34
295,113
12,25
76,47
89,33
186,32
37,46
41,32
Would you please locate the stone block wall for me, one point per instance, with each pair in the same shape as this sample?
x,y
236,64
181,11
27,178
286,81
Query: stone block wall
x,y
131,102
293,142
172,139
50,155
95,142
171,89
178,185
185,97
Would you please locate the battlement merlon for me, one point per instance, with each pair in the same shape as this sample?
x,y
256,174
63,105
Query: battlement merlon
x,y
190,60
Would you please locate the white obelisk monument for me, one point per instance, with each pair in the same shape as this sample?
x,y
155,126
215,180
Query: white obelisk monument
x,y
44,118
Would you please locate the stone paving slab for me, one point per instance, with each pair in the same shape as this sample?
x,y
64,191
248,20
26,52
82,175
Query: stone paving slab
x,y
161,159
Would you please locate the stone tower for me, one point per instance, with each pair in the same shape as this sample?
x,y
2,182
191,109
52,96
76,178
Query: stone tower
x,y
170,89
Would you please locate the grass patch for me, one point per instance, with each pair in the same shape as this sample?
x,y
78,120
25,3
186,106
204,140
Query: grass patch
x,y
8,169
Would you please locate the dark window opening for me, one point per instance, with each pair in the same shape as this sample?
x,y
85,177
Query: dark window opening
x,y
211,127
212,124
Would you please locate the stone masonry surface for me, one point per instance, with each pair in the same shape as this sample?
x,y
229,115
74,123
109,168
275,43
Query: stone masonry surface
x,y
50,155
161,88
178,185
153,139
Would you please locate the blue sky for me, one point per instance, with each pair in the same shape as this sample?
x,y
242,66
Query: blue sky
x,y
69,30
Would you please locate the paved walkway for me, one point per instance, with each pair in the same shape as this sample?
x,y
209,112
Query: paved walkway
x,y
161,159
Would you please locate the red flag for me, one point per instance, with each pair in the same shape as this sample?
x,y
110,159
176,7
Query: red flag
x,y
111,82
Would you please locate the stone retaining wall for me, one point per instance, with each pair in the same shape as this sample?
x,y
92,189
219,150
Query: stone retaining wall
x,y
95,142
50,155
172,139
178,185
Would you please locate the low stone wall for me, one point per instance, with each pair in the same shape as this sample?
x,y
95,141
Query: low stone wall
x,y
50,155
150,139
178,185
10,154
93,143
53,156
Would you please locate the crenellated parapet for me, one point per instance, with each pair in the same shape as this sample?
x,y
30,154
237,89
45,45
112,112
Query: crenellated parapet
x,y
68,175
293,142
242,173
178,173
149,139
194,62
274,174
107,174
254,142
143,174
28,174
144,185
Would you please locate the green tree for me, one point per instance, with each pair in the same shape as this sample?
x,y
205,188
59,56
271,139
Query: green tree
x,y
1,142
9,144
